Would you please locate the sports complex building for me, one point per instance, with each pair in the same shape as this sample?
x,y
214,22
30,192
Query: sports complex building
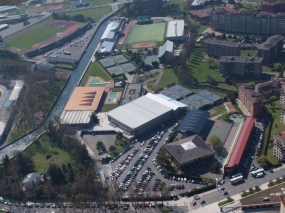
x,y
82,104
234,160
175,30
144,114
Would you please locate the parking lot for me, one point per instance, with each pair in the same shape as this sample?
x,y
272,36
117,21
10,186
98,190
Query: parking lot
x,y
137,171
81,8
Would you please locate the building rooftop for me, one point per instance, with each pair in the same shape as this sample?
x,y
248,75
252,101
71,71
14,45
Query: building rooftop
x,y
241,59
241,143
271,41
201,13
198,2
175,28
167,47
16,91
254,97
106,47
32,177
76,117
110,31
85,98
188,149
222,42
194,121
131,92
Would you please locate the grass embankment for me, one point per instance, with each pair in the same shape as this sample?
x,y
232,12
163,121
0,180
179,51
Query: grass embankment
x,y
45,153
38,35
96,2
219,110
117,89
274,108
229,200
20,10
250,192
168,77
95,69
146,77
108,107
67,66
95,13
201,29
278,181
120,145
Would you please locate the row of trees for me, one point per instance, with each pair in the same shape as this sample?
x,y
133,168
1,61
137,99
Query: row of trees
x,y
77,17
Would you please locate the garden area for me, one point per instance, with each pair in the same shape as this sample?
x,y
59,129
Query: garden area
x,y
250,191
168,77
108,107
218,110
95,69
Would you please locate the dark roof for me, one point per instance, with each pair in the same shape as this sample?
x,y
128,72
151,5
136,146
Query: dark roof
x,y
253,96
189,149
222,42
194,121
241,59
271,41
241,143
267,88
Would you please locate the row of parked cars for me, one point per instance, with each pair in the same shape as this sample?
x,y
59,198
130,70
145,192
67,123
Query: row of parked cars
x,y
120,154
80,8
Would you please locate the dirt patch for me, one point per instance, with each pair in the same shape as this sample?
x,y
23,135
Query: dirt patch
x,y
144,45
46,8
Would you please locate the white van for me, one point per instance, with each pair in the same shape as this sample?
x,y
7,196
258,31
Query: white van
x,y
259,175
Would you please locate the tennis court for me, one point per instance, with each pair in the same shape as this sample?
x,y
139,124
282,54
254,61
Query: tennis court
x,y
190,105
115,70
107,62
208,95
180,90
147,32
169,94
128,67
120,59
200,100
94,82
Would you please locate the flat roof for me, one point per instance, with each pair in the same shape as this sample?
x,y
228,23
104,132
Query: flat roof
x,y
85,98
254,97
175,28
189,149
271,41
76,117
132,91
167,47
110,31
106,47
194,121
166,101
16,91
242,59
139,112
241,143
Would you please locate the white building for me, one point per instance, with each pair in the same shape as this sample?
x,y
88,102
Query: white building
x,y
110,31
175,30
144,114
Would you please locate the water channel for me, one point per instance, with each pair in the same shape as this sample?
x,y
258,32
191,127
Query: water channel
x,y
64,96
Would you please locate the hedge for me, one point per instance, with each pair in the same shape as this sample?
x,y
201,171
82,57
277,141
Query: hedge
x,y
250,193
281,180
201,190
226,201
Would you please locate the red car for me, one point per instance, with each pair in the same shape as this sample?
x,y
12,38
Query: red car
x,y
194,203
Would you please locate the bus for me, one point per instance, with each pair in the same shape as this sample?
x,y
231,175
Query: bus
x,y
236,179
254,173
237,175
66,53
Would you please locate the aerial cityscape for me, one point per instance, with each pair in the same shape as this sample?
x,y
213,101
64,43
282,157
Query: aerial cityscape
x,y
142,106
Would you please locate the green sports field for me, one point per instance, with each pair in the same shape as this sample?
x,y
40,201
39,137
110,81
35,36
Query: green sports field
x,y
147,32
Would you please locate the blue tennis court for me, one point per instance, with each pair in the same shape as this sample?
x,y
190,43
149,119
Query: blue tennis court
x,y
199,99
180,90
169,94
208,95
190,105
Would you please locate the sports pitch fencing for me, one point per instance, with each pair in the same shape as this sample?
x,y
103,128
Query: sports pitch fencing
x,y
107,62
200,100
128,67
147,32
208,95
120,59
116,70
190,105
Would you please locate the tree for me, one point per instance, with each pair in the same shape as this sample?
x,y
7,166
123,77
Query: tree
x,y
112,148
277,67
210,62
100,146
223,36
215,168
216,142
234,37
229,36
246,39
232,96
262,159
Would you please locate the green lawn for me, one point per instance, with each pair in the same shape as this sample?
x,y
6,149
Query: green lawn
x,y
95,69
279,59
275,111
147,77
201,29
117,89
246,52
108,107
226,86
200,69
147,32
219,110
95,13
41,150
245,7
35,36
120,145
96,2
21,10
168,77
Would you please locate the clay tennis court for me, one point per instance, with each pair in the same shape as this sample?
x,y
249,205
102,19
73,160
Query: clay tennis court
x,y
126,32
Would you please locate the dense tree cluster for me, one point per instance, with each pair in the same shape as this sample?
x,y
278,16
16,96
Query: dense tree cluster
x,y
7,54
138,8
77,17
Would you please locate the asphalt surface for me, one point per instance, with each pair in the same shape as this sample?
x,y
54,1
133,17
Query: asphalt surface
x,y
149,164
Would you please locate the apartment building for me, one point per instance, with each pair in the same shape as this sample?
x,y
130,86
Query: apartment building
x,y
241,66
250,99
270,48
217,48
273,7
279,146
251,23
269,88
282,102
